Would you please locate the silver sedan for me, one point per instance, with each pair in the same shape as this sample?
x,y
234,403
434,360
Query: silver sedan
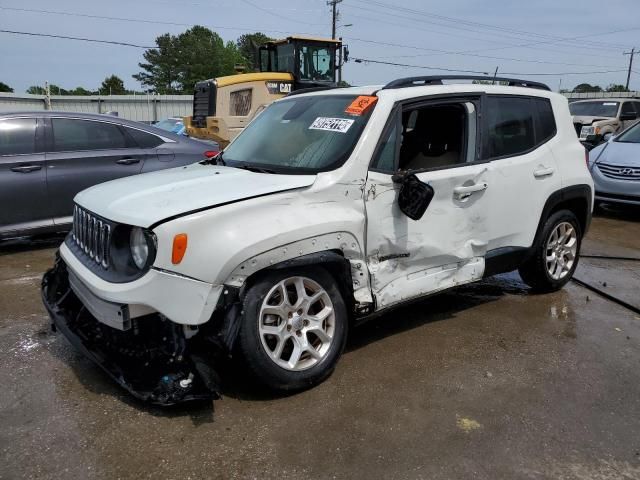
x,y
615,168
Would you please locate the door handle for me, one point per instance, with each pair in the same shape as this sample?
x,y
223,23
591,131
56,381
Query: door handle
x,y
128,161
543,172
26,168
469,189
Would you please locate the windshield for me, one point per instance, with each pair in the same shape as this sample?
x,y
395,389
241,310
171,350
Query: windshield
x,y
316,63
632,135
594,109
299,135
170,125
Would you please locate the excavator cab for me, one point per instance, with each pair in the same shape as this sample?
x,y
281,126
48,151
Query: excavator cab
x,y
223,106
311,61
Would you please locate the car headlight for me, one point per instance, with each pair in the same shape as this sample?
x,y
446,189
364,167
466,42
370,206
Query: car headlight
x,y
140,243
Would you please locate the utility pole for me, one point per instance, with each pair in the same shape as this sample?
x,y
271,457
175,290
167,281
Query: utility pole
x,y
340,63
631,54
47,96
334,16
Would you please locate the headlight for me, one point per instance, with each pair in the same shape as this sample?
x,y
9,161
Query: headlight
x,y
139,243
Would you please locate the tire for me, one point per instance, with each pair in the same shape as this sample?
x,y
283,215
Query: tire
x,y
276,323
544,276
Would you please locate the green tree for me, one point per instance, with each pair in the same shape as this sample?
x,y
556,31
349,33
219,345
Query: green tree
x,y
178,62
160,71
248,45
585,87
36,90
5,88
201,54
112,85
81,91
617,88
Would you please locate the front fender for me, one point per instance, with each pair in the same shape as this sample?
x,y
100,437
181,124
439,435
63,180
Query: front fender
x,y
228,244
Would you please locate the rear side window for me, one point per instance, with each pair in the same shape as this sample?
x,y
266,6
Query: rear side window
x,y
17,136
509,126
77,135
144,139
545,121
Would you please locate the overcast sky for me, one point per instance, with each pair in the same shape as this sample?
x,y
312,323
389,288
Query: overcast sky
x,y
420,33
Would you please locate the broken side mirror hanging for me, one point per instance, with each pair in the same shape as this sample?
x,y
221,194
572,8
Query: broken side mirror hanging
x,y
414,197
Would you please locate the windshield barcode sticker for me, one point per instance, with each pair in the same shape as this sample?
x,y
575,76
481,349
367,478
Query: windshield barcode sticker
x,y
341,125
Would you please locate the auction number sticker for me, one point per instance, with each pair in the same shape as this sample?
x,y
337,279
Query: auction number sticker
x,y
341,125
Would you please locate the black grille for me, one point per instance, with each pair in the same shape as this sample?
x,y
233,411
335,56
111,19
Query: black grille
x,y
204,102
92,235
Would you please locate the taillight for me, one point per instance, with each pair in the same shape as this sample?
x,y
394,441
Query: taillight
x,y
211,153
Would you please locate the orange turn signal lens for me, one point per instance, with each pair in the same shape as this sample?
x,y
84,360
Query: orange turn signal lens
x,y
179,248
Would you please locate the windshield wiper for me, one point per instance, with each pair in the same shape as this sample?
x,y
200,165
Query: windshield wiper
x,y
253,168
217,160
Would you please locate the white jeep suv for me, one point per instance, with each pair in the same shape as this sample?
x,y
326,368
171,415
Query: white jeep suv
x,y
330,206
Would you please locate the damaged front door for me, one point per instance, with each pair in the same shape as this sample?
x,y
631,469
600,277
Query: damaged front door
x,y
446,246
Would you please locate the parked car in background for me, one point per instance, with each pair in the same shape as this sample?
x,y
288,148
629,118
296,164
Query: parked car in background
x,y
175,125
593,119
46,158
172,124
615,168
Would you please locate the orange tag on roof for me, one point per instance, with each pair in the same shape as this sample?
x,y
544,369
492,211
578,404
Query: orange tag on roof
x,y
361,104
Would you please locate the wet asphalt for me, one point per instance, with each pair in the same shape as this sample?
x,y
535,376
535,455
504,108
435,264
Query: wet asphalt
x,y
487,381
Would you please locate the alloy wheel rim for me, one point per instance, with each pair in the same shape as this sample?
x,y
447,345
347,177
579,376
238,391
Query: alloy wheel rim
x,y
562,248
296,323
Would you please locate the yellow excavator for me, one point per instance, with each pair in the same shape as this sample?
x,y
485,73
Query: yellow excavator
x,y
223,106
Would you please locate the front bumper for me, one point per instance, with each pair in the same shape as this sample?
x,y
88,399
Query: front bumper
x,y
618,198
181,299
615,190
153,360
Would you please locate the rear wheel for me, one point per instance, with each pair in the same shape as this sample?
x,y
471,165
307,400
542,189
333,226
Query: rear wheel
x,y
556,253
293,328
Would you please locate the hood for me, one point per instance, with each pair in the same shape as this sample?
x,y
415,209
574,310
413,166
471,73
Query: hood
x,y
146,199
617,153
584,120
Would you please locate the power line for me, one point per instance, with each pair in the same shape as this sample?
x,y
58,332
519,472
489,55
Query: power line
x,y
450,34
370,60
458,21
277,15
448,52
138,20
111,42
501,35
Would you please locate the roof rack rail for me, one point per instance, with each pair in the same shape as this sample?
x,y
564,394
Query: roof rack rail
x,y
437,80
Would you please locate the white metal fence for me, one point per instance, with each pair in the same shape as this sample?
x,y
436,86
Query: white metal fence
x,y
143,108
151,108
581,96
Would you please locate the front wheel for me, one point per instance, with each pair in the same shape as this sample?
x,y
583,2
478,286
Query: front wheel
x,y
555,255
293,328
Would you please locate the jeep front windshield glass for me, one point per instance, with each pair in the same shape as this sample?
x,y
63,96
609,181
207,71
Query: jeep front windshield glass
x,y
299,135
594,109
632,135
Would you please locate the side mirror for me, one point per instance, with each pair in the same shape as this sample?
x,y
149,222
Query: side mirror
x,y
607,136
414,197
628,116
